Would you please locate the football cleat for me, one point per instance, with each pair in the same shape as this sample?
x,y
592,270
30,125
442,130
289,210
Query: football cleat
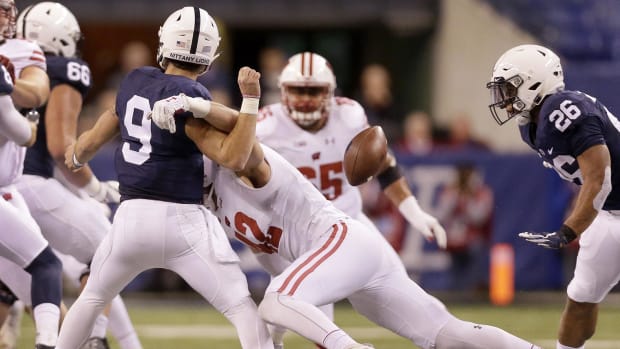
x,y
10,331
96,343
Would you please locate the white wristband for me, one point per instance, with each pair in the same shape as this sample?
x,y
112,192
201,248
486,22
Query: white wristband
x,y
408,207
249,105
199,107
93,187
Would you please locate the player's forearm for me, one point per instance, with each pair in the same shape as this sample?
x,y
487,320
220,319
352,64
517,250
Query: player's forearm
x,y
219,115
15,126
89,143
30,94
238,145
584,211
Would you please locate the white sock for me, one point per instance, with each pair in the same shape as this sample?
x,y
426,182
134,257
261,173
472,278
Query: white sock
x,y
121,327
251,329
46,319
101,327
277,333
458,334
560,346
338,340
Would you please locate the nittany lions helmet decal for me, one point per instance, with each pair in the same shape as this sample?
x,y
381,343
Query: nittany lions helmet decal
x,y
188,35
522,77
52,26
309,71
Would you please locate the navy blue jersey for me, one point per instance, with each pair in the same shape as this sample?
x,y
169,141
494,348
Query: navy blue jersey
x,y
6,83
61,70
569,123
152,163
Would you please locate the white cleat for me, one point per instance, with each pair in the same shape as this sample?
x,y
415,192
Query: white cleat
x,y
11,329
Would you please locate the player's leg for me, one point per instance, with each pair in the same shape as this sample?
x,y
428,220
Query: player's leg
x,y
598,246
323,275
22,243
121,327
138,231
211,267
397,303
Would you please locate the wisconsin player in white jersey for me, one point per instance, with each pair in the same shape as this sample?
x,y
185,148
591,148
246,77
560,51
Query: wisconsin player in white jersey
x,y
577,136
311,128
161,222
72,226
273,209
21,240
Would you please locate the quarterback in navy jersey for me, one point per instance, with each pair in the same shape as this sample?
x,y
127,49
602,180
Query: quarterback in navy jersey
x,y
580,138
73,224
160,222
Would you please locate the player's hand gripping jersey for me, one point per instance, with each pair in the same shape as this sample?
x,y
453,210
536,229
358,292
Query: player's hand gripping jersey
x,y
318,155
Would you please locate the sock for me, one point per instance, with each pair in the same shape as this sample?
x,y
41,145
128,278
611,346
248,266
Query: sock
x,y
46,319
338,340
458,334
121,327
101,327
560,346
251,329
277,334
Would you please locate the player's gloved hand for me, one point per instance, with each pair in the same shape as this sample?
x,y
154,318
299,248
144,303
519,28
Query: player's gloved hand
x,y
106,192
554,240
164,111
423,222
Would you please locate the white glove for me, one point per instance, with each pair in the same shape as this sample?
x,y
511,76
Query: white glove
x,y
106,192
164,110
423,222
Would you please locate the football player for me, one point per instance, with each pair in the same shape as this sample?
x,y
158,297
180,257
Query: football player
x,y
21,240
273,209
161,222
576,135
311,128
70,224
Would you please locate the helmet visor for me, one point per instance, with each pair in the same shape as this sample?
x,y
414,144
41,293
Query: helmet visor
x,y
504,101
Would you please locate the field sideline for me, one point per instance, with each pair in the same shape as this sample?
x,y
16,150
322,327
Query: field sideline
x,y
196,325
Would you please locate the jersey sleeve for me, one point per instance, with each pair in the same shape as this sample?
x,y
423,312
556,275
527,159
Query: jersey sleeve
x,y
6,83
73,72
586,133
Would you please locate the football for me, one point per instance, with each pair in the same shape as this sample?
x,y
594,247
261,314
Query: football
x,y
365,155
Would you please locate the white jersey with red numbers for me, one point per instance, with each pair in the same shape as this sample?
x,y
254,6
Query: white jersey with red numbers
x,y
22,54
285,216
318,155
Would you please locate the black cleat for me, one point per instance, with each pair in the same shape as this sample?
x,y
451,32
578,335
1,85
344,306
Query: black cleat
x,y
96,343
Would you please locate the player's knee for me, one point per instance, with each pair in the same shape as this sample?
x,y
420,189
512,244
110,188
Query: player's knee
x,y
45,263
268,307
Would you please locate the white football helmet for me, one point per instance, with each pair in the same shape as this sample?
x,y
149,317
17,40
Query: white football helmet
x,y
307,70
52,26
8,10
522,77
188,35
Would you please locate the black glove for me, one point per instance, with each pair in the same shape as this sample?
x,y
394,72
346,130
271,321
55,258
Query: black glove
x,y
555,240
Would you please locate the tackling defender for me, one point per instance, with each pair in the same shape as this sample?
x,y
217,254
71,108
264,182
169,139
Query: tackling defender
x,y
579,138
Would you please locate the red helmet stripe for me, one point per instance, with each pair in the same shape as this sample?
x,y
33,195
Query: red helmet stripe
x,y
303,63
310,63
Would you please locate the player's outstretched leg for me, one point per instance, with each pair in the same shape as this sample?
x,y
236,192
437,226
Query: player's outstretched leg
x,y
304,319
458,334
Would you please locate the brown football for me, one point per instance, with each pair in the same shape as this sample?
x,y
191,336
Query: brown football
x,y
365,155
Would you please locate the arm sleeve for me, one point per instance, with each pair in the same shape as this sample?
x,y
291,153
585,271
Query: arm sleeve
x,y
13,125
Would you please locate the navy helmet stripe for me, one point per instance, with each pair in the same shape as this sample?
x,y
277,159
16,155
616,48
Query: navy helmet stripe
x,y
24,21
192,50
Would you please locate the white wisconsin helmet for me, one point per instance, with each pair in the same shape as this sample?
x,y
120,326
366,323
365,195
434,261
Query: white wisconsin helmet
x,y
188,35
307,69
8,7
522,77
52,26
